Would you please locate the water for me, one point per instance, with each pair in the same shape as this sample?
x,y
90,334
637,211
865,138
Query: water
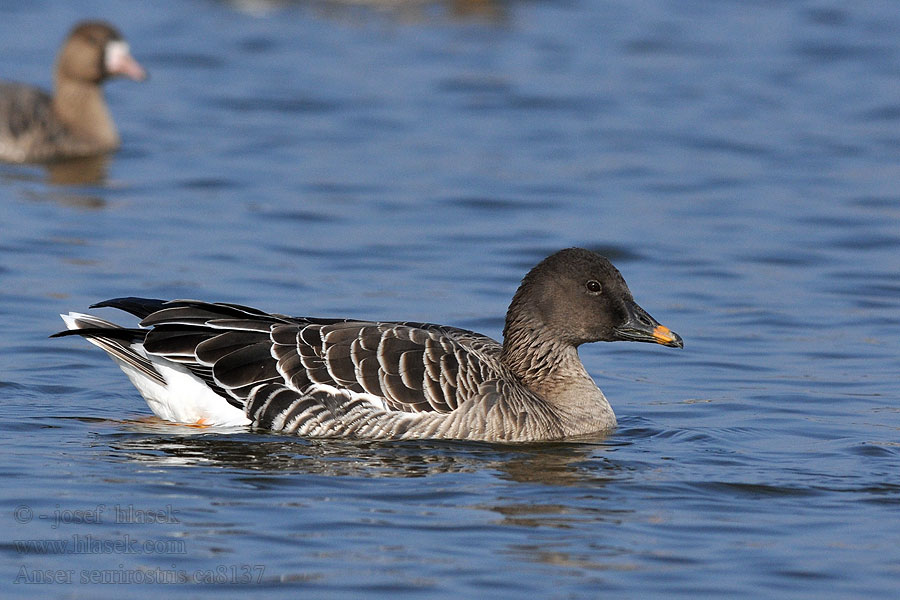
x,y
738,162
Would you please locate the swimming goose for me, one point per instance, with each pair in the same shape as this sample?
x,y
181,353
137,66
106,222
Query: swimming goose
x,y
225,364
74,122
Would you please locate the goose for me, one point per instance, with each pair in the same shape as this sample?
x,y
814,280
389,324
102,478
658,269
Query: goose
x,y
74,121
225,364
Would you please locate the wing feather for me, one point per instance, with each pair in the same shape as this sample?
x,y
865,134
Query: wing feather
x,y
248,366
413,367
367,370
214,348
175,344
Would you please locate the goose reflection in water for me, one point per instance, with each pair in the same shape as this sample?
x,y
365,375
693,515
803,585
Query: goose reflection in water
x,y
556,464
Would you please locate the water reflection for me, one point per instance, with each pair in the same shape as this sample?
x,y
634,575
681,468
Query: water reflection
x,y
88,170
66,178
409,11
560,464
78,171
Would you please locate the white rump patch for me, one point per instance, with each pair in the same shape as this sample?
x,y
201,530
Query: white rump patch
x,y
185,398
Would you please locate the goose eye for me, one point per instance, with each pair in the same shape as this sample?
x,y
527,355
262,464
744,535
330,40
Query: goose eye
x,y
594,287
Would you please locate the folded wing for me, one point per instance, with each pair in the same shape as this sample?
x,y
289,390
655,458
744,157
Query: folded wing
x,y
409,367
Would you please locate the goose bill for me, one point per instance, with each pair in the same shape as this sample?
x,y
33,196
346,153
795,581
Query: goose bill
x,y
119,61
641,327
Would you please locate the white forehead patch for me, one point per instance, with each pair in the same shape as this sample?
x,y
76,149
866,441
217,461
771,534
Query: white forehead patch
x,y
116,53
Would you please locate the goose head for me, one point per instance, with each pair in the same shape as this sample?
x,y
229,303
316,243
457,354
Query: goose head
x,y
576,296
95,51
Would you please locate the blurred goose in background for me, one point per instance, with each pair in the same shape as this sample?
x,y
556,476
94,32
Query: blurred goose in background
x,y
74,121
226,364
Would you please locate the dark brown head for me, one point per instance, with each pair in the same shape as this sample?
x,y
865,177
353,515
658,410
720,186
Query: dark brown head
x,y
95,51
577,296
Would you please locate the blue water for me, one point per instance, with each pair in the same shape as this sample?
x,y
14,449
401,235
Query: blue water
x,y
739,162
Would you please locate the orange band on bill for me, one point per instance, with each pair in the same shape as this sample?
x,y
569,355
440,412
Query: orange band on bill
x,y
663,334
